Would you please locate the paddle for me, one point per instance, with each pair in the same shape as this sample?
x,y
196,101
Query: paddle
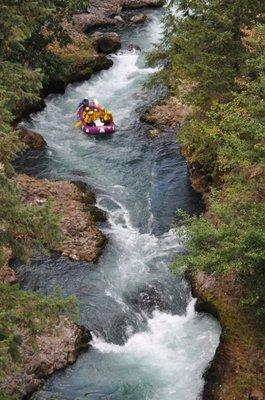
x,y
78,124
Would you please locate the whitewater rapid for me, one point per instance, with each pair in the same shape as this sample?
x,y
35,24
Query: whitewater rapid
x,y
148,341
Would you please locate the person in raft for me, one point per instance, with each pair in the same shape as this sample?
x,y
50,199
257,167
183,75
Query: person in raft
x,y
94,113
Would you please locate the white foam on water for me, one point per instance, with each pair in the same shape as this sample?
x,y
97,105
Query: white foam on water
x,y
173,351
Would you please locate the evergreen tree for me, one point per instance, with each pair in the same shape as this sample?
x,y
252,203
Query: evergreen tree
x,y
27,28
204,46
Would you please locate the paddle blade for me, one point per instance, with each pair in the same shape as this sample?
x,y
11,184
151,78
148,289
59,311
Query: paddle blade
x,y
78,124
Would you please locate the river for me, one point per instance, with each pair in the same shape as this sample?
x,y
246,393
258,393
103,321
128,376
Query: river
x,y
148,342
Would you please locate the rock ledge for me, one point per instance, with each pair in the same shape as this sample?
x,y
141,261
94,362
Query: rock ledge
x,y
54,350
83,240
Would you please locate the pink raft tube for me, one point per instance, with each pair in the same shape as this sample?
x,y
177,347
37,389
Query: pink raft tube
x,y
95,130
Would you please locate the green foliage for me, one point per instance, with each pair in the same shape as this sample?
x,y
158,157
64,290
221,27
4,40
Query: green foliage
x,y
20,19
231,240
49,27
203,46
7,397
21,225
229,136
25,225
28,313
217,49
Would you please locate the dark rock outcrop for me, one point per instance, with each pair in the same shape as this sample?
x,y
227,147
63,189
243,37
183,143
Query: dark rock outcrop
x,y
84,71
25,107
106,42
32,139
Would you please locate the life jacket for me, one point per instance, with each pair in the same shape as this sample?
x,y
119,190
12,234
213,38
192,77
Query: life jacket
x,y
107,117
96,114
91,113
88,116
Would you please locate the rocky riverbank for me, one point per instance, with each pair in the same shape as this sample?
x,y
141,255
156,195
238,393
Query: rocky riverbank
x,y
167,114
238,368
41,354
56,344
82,240
112,13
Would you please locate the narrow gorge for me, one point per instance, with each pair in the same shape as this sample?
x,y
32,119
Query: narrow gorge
x,y
148,341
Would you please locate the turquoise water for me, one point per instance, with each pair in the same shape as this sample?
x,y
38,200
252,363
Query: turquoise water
x,y
148,342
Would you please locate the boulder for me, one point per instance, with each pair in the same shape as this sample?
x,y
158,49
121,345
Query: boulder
x,y
102,62
153,133
94,20
97,214
138,19
118,18
32,139
170,114
107,42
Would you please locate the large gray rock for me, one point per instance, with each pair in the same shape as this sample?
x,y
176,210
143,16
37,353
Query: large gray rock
x,y
107,42
92,20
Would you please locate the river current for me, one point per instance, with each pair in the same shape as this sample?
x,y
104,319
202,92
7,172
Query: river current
x,y
148,342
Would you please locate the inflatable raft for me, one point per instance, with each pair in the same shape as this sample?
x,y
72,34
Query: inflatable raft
x,y
97,128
